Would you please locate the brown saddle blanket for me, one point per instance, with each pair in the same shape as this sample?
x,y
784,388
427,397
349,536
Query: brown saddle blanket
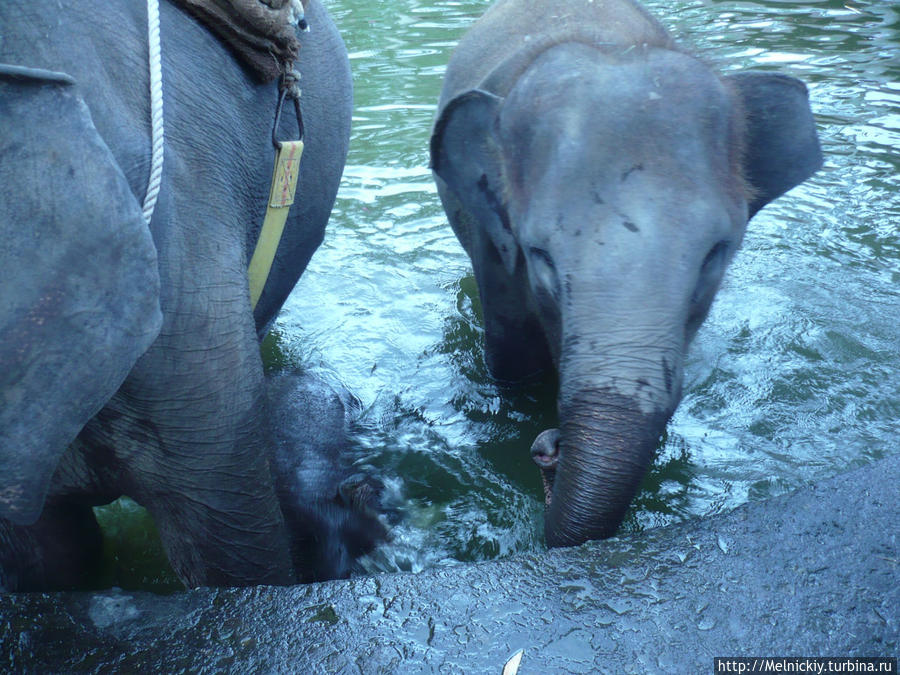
x,y
262,33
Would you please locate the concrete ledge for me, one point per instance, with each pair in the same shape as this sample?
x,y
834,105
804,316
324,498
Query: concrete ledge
x,y
813,573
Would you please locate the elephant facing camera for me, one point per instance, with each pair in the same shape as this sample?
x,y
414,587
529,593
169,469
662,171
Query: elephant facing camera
x,y
601,178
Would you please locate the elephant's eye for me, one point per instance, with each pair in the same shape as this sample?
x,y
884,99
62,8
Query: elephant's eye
x,y
708,279
715,256
542,255
710,272
543,271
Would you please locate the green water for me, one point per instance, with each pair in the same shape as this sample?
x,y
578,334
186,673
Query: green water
x,y
794,377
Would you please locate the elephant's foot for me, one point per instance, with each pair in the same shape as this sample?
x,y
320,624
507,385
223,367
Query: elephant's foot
x,y
545,453
61,551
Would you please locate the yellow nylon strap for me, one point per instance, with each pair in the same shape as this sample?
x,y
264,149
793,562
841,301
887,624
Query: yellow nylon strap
x,y
284,184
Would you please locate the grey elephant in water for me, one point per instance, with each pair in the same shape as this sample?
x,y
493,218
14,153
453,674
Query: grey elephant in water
x,y
601,179
332,509
129,354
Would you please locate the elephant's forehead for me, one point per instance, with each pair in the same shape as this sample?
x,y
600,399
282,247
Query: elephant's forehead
x,y
649,100
653,131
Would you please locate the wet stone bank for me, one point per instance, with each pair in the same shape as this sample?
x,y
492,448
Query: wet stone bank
x,y
811,573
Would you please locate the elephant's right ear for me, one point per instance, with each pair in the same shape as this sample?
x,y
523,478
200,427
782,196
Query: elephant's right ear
x,y
79,281
782,147
467,156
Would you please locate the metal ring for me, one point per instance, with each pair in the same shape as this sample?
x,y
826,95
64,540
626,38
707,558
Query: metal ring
x,y
282,95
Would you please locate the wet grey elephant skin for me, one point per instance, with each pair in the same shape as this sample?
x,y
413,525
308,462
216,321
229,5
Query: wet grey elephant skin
x,y
332,508
601,178
129,355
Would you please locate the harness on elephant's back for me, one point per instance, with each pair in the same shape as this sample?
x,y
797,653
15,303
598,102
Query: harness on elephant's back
x,y
262,34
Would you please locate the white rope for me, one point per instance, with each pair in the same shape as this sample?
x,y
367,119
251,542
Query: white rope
x,y
156,110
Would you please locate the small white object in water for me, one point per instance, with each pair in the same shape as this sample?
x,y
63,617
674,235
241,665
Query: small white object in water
x,y
512,666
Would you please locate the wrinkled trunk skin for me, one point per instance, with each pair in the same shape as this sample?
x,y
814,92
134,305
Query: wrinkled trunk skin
x,y
616,396
606,446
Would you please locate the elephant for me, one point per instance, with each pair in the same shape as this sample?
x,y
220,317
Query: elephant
x,y
130,351
332,511
600,178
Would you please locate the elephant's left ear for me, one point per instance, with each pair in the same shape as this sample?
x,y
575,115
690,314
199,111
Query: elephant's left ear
x,y
466,154
781,146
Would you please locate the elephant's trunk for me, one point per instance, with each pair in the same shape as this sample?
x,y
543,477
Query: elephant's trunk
x,y
606,444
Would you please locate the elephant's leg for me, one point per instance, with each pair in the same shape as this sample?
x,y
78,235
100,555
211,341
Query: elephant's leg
x,y
61,551
187,435
515,346
213,501
225,534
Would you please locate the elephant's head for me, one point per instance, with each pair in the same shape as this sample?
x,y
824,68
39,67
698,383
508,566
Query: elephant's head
x,y
332,510
622,184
